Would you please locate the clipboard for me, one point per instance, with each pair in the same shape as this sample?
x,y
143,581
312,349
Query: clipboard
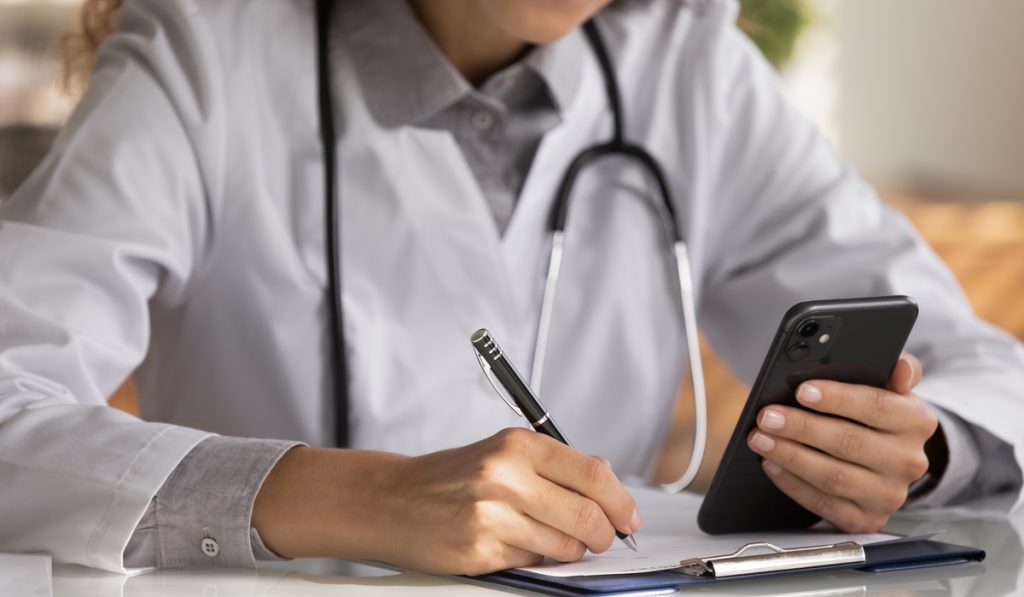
x,y
754,560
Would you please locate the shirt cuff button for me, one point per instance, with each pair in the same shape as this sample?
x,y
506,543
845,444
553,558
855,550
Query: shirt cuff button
x,y
210,547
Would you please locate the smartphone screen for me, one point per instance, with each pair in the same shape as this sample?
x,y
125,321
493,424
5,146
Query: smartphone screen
x,y
855,341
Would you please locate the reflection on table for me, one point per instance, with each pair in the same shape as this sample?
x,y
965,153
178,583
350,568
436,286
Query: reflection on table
x,y
1002,573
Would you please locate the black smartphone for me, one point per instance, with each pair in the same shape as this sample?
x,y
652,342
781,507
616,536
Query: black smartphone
x,y
850,340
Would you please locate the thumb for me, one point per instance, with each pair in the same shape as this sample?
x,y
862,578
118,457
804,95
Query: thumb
x,y
906,374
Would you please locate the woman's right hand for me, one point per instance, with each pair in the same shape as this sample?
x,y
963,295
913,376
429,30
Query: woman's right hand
x,y
502,502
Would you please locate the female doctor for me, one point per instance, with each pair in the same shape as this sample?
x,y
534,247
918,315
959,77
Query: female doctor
x,y
177,232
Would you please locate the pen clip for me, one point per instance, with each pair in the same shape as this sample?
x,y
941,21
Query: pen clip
x,y
497,386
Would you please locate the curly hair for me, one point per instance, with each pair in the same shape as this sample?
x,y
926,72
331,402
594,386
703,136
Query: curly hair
x,y
97,20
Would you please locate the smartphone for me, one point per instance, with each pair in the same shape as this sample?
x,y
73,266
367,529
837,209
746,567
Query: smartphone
x,y
855,341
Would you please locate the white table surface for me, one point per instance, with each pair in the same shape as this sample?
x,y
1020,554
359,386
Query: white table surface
x,y
1002,573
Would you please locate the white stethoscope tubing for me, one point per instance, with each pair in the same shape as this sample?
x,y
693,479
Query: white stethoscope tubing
x,y
700,403
700,412
541,347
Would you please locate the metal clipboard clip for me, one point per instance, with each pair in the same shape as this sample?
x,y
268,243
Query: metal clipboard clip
x,y
776,560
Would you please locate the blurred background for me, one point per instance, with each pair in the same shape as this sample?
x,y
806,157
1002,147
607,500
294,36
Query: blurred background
x,y
31,105
922,96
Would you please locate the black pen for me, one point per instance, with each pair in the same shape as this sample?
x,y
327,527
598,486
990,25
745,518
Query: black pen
x,y
519,397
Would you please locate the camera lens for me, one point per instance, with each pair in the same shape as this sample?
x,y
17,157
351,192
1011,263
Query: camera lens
x,y
799,351
809,329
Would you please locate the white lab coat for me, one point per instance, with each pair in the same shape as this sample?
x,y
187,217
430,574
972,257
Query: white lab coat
x,y
177,229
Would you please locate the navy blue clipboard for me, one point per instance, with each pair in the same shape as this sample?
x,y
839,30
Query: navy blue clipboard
x,y
883,557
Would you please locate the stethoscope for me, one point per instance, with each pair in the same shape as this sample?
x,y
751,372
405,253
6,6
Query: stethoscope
x,y
616,146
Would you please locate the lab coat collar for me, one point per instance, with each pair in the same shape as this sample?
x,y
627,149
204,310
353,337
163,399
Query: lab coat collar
x,y
405,77
559,65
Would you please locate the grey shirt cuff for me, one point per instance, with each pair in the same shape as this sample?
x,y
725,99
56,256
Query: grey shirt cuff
x,y
202,515
979,464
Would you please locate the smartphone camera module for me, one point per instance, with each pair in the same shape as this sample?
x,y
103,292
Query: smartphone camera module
x,y
813,338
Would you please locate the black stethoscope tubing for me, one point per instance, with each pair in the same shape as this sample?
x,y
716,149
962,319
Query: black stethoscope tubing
x,y
616,146
328,136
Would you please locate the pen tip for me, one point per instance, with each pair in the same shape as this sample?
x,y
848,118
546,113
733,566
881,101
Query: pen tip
x,y
630,542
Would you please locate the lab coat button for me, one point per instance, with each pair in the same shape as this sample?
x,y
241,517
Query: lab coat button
x,y
482,120
210,547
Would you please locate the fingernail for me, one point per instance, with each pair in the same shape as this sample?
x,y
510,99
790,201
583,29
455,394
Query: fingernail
x,y
910,365
809,393
636,522
772,469
762,442
773,419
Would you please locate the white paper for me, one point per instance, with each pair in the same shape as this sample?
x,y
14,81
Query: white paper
x,y
670,534
25,575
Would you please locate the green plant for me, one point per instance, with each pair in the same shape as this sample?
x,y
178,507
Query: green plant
x,y
774,26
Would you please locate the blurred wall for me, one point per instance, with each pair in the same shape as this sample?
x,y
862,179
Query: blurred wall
x,y
30,61
929,93
32,106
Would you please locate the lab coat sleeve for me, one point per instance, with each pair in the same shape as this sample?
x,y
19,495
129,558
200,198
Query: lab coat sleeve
x,y
791,222
112,225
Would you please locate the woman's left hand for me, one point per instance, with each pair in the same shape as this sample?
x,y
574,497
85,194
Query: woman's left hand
x,y
853,472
